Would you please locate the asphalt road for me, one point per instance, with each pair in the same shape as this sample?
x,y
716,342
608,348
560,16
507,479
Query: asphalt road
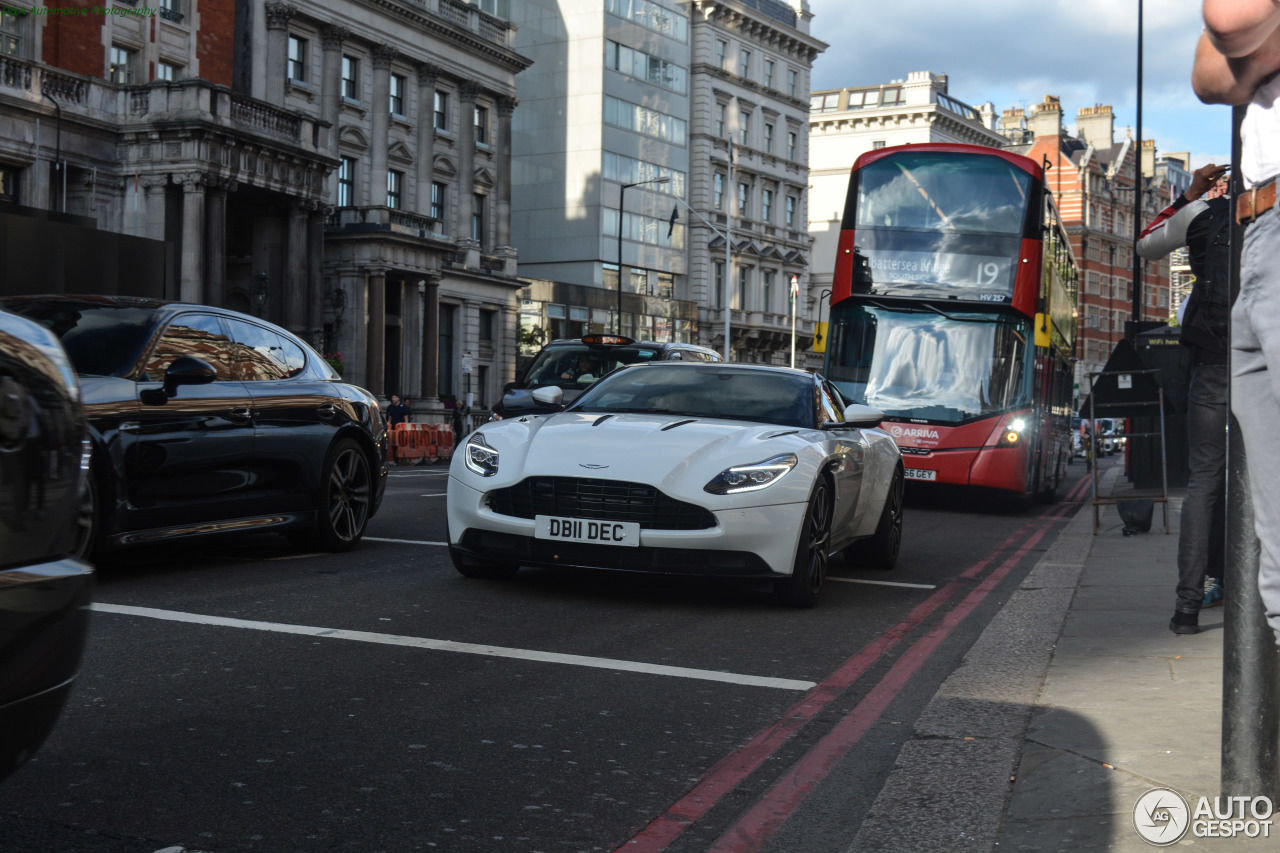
x,y
241,696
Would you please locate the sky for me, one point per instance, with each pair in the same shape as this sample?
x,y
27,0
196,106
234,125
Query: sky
x,y
1014,52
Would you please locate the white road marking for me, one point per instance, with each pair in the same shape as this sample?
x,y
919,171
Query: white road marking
x,y
419,474
402,541
877,583
464,648
441,495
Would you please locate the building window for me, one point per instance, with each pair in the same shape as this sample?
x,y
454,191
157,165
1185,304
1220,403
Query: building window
x,y
720,121
653,16
350,78
171,10
11,29
741,296
487,318
722,48
477,219
641,66
397,94
395,186
346,182
768,73
877,144
792,82
768,292
744,199
719,283
168,71
442,110
717,191
768,138
744,127
792,204
122,63
482,126
643,120
297,64
791,145
828,103
744,62
766,207
438,196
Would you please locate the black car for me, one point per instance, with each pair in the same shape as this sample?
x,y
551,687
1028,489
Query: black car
x,y
571,364
205,420
44,589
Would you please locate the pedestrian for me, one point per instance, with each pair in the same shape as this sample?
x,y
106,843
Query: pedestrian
x,y
1236,62
397,413
1200,219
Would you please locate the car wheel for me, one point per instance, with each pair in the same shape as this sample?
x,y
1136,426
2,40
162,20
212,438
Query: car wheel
x,y
880,551
809,572
88,519
346,490
473,568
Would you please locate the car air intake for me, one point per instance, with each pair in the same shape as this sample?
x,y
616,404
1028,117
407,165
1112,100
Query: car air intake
x,y
600,500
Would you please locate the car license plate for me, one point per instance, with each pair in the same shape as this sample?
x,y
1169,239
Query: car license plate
x,y
624,533
921,474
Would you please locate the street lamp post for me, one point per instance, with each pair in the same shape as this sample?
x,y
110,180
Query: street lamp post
x,y
622,194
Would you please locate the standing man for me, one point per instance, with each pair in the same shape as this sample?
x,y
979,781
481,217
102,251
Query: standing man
x,y
1204,227
397,413
1237,60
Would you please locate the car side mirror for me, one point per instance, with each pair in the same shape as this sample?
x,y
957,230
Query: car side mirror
x,y
187,370
551,395
863,417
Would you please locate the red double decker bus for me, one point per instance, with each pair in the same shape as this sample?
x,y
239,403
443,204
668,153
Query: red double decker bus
x,y
953,312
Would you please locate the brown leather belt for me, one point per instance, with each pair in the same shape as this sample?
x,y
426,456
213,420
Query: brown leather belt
x,y
1254,202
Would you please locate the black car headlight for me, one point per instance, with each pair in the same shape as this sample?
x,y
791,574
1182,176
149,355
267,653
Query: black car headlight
x,y
479,456
751,478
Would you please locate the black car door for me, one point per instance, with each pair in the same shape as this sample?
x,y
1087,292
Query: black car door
x,y
296,413
189,457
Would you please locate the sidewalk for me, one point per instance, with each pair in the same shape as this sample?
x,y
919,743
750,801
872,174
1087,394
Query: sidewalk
x,y
1075,701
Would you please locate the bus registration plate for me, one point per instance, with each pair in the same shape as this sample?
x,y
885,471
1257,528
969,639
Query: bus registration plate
x,y
556,528
920,474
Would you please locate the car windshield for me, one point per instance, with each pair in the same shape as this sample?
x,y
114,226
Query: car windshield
x,y
101,339
576,365
706,391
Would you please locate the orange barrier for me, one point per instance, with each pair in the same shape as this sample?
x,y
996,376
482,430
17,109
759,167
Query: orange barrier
x,y
444,441
413,443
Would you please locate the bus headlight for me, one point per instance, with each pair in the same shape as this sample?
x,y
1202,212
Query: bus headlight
x,y
1011,435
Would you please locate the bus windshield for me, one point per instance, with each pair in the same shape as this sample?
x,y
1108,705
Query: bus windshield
x,y
917,364
931,224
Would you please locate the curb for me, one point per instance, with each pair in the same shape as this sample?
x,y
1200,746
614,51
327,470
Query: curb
x,y
952,782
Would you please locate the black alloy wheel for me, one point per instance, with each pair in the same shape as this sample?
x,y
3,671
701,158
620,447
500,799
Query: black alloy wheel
x,y
881,550
809,572
346,497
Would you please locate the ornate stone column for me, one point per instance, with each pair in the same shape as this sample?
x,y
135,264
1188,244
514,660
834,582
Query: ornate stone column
x,y
427,76
155,188
278,15
431,338
376,324
383,55
215,240
295,267
466,157
191,263
331,39
506,106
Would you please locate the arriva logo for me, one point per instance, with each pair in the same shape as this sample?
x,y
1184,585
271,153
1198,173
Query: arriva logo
x,y
913,432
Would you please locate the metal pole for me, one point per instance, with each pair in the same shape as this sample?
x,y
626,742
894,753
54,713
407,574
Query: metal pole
x,y
795,298
1137,191
728,257
622,194
1250,663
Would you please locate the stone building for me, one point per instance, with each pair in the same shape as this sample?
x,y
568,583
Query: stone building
x,y
342,169
629,113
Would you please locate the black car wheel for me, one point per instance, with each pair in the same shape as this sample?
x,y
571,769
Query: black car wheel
x,y
880,551
88,519
473,568
810,570
346,497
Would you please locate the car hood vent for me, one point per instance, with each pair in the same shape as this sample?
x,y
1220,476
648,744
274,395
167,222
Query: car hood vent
x,y
679,423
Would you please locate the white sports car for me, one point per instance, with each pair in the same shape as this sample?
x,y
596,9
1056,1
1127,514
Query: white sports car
x,y
729,470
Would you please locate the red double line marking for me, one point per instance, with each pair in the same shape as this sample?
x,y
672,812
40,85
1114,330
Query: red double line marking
x,y
759,823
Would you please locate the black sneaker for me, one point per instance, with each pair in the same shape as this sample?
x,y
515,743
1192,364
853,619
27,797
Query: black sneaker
x,y
1185,623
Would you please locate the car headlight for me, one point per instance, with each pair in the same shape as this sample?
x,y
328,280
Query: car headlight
x,y
479,456
751,478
